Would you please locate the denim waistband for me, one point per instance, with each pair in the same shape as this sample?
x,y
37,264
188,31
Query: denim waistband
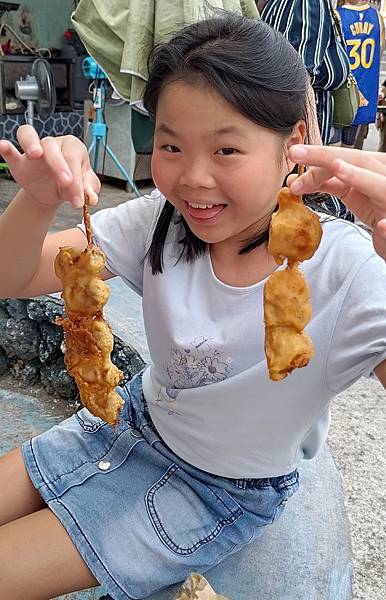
x,y
282,481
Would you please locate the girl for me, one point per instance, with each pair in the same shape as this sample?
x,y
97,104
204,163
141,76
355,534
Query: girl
x,y
207,449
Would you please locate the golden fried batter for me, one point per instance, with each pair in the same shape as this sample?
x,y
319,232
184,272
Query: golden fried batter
x,y
84,293
288,300
295,235
295,230
286,349
89,340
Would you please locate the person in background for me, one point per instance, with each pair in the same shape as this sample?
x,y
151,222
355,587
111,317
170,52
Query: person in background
x,y
363,30
309,27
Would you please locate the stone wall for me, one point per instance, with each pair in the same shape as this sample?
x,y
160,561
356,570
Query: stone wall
x,y
32,347
60,123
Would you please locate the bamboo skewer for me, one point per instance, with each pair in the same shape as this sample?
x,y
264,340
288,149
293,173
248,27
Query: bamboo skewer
x,y
87,221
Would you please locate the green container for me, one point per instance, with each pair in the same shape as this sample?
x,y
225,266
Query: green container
x,y
142,132
4,170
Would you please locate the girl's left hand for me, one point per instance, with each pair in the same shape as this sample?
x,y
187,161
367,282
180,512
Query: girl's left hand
x,y
357,177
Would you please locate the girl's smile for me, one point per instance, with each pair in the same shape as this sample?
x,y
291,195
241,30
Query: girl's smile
x,y
219,169
204,213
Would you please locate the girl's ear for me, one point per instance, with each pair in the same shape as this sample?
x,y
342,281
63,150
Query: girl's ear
x,y
298,135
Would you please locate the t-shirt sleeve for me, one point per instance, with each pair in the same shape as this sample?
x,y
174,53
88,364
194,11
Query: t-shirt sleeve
x,y
124,234
358,341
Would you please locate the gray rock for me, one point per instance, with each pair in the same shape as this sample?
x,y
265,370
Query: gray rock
x,y
126,359
56,380
33,347
52,336
4,314
27,373
22,339
45,308
4,363
17,309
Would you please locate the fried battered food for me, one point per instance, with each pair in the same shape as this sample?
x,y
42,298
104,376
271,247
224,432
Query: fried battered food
x,y
295,235
89,340
287,310
84,293
295,230
288,299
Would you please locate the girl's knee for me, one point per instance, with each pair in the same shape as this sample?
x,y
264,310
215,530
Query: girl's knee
x,y
20,498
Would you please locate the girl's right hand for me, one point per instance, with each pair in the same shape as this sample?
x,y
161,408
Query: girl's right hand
x,y
52,170
357,177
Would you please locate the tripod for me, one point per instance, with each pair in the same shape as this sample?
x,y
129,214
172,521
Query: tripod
x,y
99,136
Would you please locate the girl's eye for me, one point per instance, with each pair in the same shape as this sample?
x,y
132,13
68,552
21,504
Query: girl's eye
x,y
171,148
226,151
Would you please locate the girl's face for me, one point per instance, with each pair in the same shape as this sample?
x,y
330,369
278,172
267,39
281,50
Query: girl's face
x,y
220,170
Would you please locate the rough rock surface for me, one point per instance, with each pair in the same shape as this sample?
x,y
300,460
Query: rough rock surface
x,y
32,347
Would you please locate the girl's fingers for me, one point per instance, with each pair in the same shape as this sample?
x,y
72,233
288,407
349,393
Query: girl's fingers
x,y
10,154
324,160
314,180
381,226
29,141
311,181
56,162
84,179
369,183
328,184
91,189
323,156
74,192
379,238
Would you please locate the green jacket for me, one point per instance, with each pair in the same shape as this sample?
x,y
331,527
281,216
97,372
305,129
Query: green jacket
x,y
119,34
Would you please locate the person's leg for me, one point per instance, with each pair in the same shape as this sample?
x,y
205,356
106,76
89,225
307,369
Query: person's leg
x,y
38,559
18,497
362,134
349,136
336,137
382,133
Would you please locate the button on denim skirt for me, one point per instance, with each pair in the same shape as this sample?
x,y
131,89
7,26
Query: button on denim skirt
x,y
142,518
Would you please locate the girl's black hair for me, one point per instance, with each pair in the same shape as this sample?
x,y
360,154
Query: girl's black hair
x,y
254,68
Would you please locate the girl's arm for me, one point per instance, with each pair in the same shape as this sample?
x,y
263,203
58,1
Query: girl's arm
x,y
49,172
356,176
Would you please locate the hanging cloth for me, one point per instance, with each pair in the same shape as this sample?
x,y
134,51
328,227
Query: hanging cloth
x,y
119,34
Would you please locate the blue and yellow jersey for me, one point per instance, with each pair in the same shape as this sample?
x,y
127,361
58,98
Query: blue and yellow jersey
x,y
362,30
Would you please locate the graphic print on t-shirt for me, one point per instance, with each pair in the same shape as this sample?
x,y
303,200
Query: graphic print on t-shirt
x,y
201,363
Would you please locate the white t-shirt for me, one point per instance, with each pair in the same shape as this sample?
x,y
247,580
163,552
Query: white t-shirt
x,y
207,387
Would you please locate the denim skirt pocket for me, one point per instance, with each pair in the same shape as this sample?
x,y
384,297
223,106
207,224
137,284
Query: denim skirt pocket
x,y
186,513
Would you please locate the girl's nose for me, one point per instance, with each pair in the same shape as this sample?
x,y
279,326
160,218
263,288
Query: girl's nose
x,y
196,175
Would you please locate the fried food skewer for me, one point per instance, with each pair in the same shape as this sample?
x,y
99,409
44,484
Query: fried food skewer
x,y
294,235
89,340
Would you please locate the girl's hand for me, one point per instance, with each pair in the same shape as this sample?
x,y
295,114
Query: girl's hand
x,y
356,176
51,170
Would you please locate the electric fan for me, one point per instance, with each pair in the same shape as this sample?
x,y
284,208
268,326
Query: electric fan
x,y
38,91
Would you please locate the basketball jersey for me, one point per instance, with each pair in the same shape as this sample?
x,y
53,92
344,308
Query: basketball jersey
x,y
362,31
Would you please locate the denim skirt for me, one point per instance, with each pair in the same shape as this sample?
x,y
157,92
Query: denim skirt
x,y
142,518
